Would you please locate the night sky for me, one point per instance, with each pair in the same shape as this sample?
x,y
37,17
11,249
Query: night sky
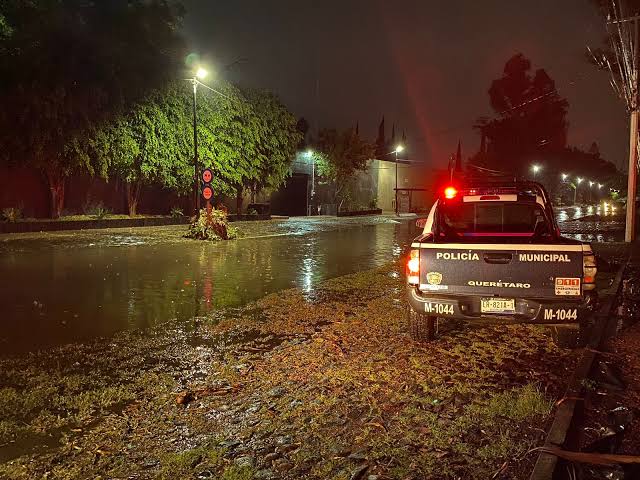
x,y
425,65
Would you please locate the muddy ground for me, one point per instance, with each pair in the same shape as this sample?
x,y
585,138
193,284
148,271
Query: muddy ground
x,y
324,385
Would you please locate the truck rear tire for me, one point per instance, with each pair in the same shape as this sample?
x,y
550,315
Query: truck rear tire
x,y
422,327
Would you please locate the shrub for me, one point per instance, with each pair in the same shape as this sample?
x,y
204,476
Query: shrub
x,y
97,210
176,212
12,214
212,226
252,211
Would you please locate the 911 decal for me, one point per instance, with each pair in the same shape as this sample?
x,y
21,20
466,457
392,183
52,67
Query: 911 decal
x,y
438,308
567,286
561,314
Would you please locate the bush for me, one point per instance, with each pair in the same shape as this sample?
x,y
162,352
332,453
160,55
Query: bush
x,y
252,211
212,226
11,214
176,212
97,210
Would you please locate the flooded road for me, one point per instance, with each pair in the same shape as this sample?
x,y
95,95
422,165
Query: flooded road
x,y
78,286
54,293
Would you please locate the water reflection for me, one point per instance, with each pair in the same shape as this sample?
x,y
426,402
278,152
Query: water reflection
x,y
52,296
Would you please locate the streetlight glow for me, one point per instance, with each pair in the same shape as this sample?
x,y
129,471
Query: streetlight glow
x,y
201,73
591,183
579,180
399,148
599,186
535,168
564,177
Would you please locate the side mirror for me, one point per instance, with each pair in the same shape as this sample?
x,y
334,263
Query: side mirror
x,y
421,222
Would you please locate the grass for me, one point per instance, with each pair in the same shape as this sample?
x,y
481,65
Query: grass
x,y
347,379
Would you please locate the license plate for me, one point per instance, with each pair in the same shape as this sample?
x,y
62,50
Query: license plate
x,y
497,305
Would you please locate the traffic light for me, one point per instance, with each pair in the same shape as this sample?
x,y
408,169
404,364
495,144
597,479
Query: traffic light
x,y
207,188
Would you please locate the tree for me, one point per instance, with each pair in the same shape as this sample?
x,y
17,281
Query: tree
x,y
340,155
278,138
531,118
381,148
148,145
68,66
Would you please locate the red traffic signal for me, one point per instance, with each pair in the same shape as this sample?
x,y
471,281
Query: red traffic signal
x,y
207,189
207,175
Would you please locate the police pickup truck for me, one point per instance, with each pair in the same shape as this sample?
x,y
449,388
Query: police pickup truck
x,y
493,251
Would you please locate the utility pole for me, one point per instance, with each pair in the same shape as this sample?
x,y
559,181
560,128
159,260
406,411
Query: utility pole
x,y
625,84
632,181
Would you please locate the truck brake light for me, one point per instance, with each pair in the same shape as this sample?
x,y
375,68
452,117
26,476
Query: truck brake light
x,y
590,270
413,267
450,192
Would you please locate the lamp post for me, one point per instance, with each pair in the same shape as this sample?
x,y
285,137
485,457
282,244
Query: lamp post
x,y
199,74
575,192
399,148
310,155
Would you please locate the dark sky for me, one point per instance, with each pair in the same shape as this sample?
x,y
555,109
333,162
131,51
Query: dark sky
x,y
425,65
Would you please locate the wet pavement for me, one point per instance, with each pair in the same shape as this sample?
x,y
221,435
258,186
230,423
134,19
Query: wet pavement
x,y
72,287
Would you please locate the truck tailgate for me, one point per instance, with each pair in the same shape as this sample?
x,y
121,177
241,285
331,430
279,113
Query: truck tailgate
x,y
507,270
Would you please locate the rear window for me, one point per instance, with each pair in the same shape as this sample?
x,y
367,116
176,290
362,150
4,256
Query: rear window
x,y
475,219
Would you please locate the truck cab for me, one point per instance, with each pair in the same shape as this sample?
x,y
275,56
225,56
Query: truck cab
x,y
493,251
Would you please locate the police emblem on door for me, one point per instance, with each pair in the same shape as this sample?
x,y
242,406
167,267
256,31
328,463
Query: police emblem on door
x,y
434,278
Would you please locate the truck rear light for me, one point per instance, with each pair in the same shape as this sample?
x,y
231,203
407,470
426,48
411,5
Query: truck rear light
x,y
590,270
413,268
450,192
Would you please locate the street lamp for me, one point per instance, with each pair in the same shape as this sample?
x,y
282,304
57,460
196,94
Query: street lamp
x,y
564,177
398,149
535,169
310,155
575,191
199,74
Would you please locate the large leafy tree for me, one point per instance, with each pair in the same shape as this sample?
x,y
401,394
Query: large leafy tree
x,y
530,118
68,66
341,154
277,138
148,145
247,138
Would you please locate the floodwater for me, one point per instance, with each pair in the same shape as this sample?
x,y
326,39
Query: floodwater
x,y
594,223
52,296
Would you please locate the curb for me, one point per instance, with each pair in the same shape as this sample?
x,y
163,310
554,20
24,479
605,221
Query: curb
x,y
55,226
567,413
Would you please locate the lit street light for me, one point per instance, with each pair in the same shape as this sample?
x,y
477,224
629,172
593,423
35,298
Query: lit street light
x,y
199,74
535,169
398,149
564,177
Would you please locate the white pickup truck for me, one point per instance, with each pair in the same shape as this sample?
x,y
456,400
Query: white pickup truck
x,y
493,251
